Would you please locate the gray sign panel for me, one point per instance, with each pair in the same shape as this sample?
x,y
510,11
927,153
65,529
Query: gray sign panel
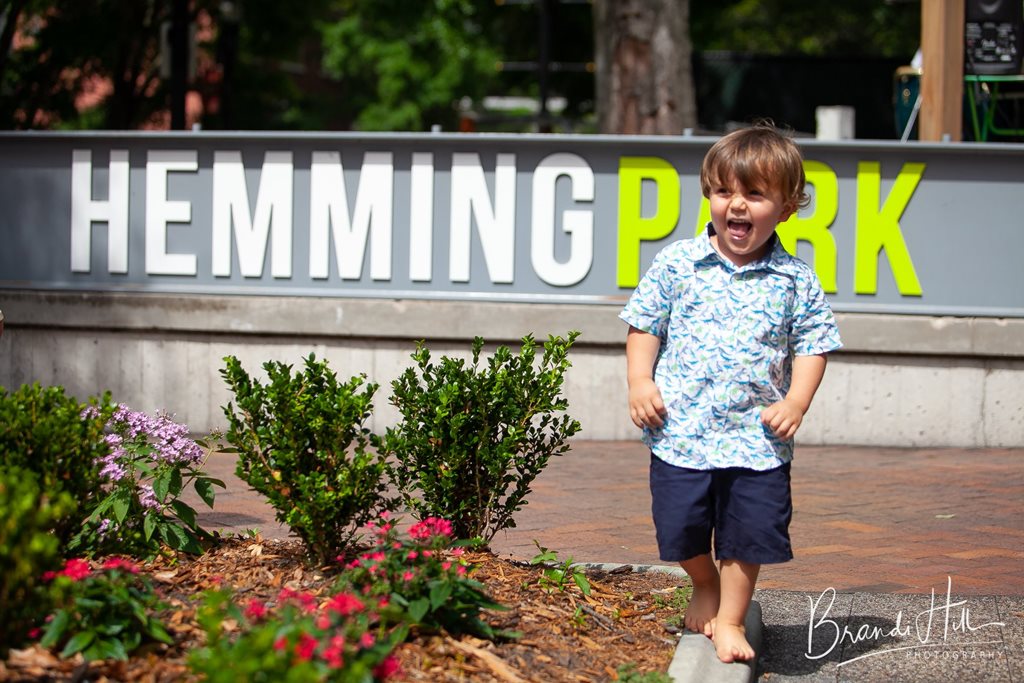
x,y
913,228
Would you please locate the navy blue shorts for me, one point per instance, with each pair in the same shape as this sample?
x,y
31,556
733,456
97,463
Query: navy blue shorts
x,y
747,511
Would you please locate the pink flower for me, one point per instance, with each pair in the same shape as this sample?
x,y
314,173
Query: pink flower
x,y
412,555
385,515
367,640
305,648
281,643
446,565
49,575
408,576
389,667
461,570
255,610
35,633
121,564
76,569
323,622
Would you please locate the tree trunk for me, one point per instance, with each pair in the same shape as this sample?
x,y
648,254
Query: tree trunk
x,y
644,75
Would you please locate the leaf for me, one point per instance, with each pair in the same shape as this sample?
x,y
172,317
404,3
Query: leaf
x,y
418,609
185,513
439,594
161,485
204,487
581,580
149,525
121,500
55,629
78,642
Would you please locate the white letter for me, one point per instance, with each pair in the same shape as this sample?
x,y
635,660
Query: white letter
x,y
812,626
85,211
421,217
328,208
495,223
579,224
160,211
273,214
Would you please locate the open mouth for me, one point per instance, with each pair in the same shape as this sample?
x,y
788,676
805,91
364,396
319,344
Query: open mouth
x,y
738,229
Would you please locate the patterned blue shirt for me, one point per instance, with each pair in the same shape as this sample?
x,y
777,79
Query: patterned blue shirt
x,y
728,338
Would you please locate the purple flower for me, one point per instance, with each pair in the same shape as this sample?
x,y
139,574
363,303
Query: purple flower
x,y
147,497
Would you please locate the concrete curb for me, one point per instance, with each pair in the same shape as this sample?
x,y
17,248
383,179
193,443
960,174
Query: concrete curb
x,y
695,660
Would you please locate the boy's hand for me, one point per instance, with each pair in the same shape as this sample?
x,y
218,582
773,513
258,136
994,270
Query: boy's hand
x,y
783,418
645,404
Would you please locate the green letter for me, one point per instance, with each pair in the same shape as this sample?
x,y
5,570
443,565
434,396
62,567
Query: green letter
x,y
815,228
703,216
880,229
634,227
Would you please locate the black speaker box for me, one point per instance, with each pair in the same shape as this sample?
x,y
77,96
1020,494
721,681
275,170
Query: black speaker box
x,y
993,36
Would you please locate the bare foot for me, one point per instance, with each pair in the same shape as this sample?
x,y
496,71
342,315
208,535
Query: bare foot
x,y
731,643
703,607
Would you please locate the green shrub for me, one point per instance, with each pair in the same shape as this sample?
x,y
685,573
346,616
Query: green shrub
x,y
27,548
43,430
472,440
302,444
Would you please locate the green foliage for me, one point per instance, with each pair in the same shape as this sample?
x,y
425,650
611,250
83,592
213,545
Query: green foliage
x,y
560,576
304,639
676,601
44,431
27,548
302,444
104,614
151,463
854,27
425,576
405,65
472,440
627,673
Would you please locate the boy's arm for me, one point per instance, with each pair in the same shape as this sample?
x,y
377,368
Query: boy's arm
x,y
785,416
645,404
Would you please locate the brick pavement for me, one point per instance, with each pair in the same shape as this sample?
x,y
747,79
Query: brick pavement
x,y
866,519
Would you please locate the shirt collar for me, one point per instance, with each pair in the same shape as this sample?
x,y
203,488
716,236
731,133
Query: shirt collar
x,y
777,258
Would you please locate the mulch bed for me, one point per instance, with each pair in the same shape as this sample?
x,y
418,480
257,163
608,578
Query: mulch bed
x,y
566,636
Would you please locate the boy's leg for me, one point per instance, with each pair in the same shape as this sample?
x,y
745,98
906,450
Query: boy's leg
x,y
704,603
737,581
754,509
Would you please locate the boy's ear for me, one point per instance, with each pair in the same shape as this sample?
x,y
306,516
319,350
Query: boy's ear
x,y
788,209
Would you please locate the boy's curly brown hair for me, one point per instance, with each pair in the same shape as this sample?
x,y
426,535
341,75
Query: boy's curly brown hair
x,y
758,156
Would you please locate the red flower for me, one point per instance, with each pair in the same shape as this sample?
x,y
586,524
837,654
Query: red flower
x,y
255,610
345,604
122,564
305,648
76,569
281,643
389,667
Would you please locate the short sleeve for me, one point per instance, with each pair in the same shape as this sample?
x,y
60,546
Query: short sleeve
x,y
650,307
814,330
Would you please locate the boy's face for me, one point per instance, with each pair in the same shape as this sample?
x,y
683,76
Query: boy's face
x,y
745,218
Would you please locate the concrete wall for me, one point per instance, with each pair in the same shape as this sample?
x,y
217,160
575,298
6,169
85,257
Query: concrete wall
x,y
900,380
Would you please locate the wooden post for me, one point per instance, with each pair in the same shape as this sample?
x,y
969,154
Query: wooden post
x,y
942,69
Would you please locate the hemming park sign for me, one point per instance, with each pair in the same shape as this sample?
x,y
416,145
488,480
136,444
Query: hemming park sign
x,y
892,228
